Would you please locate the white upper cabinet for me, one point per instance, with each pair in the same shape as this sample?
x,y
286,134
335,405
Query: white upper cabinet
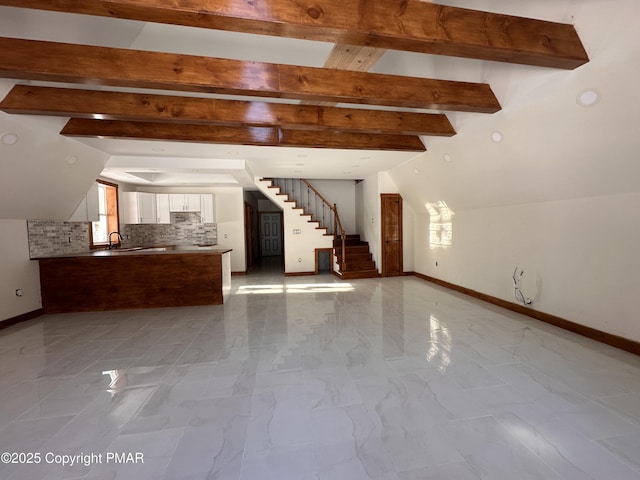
x,y
208,211
143,207
139,207
162,208
184,202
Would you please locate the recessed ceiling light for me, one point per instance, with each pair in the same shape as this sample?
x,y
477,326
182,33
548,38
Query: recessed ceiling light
x,y
496,136
446,157
299,164
71,160
588,98
355,166
365,158
157,149
416,171
9,138
346,172
302,155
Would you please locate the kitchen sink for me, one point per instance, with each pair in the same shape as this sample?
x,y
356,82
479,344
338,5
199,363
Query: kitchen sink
x,y
131,249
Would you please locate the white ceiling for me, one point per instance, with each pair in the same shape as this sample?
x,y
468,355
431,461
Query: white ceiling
x,y
540,120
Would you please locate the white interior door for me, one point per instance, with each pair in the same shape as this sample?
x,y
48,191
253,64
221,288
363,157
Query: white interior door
x,y
271,234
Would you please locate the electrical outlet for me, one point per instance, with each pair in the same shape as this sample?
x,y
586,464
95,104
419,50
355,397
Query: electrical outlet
x,y
18,292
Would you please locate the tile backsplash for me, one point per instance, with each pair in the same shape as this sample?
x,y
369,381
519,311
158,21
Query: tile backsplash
x,y
50,237
184,229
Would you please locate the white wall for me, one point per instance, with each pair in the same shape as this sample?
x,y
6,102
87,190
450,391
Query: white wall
x,y
580,257
300,248
343,194
368,223
43,175
408,236
368,210
230,223
17,271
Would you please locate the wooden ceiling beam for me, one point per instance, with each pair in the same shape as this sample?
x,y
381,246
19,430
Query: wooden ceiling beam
x,y
107,105
261,136
411,25
65,62
350,57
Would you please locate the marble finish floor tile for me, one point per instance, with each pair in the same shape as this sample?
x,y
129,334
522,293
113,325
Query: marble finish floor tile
x,y
316,378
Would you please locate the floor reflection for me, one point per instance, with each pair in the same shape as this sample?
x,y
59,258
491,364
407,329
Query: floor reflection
x,y
438,345
320,379
118,381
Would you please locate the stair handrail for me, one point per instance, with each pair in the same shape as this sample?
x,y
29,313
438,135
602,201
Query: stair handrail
x,y
337,224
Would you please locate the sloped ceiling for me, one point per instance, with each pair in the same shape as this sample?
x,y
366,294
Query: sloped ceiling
x,y
551,147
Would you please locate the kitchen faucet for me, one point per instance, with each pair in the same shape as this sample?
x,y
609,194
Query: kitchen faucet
x,y
111,244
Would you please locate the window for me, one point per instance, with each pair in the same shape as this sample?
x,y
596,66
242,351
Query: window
x,y
107,214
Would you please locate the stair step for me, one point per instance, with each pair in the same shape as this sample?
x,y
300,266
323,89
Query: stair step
x,y
358,274
357,266
357,257
354,249
349,242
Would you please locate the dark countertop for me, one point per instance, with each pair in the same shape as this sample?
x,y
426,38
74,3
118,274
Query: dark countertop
x,y
154,250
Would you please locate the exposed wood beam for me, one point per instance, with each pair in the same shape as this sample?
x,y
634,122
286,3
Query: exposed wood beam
x,y
412,25
64,62
99,104
263,136
350,57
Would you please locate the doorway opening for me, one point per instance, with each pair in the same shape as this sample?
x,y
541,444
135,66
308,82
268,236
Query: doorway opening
x,y
324,257
271,243
264,235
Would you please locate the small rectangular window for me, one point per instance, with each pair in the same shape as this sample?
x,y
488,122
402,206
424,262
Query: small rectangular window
x,y
107,214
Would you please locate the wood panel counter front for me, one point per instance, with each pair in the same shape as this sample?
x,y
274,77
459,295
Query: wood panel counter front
x,y
138,278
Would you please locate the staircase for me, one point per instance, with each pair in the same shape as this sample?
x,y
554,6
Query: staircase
x,y
352,258
356,261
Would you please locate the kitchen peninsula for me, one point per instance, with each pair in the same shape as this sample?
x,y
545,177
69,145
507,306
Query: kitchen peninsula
x,y
140,277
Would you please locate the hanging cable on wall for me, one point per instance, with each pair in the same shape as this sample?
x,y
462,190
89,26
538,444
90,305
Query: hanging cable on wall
x,y
517,292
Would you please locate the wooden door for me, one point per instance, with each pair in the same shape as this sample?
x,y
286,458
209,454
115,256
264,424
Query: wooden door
x,y
391,214
270,234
